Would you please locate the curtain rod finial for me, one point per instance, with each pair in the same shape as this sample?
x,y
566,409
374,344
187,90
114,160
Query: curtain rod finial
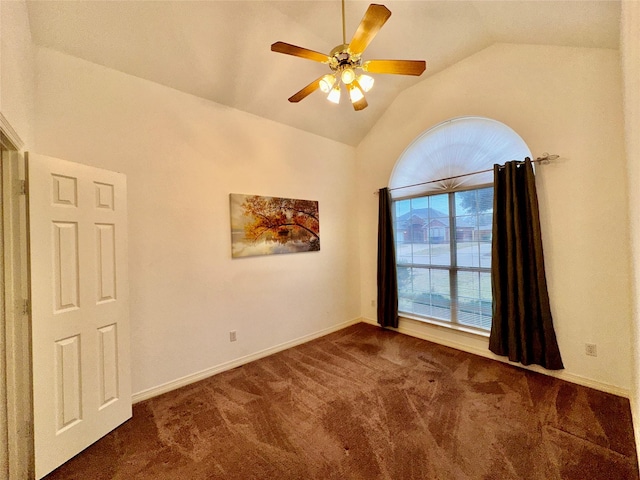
x,y
546,158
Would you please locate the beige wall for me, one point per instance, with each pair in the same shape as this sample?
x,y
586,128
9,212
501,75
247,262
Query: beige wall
x,y
565,101
183,156
630,55
16,69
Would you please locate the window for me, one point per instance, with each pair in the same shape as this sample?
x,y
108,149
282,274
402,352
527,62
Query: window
x,y
443,250
443,221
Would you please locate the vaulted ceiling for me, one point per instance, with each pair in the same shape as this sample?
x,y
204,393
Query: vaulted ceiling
x,y
220,50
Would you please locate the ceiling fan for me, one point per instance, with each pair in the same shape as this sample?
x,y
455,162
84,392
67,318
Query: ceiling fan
x,y
345,59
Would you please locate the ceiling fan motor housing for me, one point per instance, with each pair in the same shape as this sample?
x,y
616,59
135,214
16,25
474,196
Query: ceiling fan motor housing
x,y
340,58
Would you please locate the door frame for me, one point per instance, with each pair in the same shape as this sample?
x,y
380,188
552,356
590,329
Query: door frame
x,y
4,429
15,355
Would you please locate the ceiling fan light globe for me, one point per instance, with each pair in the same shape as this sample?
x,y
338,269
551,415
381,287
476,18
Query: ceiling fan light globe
x,y
327,83
366,82
355,94
334,95
348,76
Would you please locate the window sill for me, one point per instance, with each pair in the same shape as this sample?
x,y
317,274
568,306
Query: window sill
x,y
449,326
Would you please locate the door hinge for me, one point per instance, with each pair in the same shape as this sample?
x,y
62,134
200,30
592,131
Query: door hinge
x,y
26,307
21,187
28,430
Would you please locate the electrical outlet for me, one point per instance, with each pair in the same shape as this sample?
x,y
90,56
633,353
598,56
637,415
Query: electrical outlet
x,y
232,336
591,349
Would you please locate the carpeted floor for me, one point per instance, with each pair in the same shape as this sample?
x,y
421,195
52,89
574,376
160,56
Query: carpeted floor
x,y
365,403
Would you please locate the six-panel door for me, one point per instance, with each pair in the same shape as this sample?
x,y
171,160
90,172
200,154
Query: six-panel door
x,y
79,291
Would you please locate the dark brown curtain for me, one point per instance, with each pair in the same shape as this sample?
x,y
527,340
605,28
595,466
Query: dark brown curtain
x,y
387,275
522,327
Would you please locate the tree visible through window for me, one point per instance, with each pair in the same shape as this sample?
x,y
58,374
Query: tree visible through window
x,y
443,250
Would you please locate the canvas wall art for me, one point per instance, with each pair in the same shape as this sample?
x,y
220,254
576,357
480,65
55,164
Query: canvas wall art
x,y
272,225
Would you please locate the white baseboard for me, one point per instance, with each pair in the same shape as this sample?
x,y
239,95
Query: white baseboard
x,y
195,377
561,374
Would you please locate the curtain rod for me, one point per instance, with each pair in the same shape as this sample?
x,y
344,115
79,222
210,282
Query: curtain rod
x,y
544,159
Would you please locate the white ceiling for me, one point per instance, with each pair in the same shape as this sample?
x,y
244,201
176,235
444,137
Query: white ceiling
x,y
220,50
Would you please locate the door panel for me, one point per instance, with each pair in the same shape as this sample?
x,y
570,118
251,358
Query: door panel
x,y
79,290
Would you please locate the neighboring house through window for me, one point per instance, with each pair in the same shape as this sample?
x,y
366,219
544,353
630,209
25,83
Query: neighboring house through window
x,y
443,229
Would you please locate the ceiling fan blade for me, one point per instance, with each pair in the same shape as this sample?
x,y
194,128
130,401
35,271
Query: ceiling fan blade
x,y
397,67
287,48
309,89
373,20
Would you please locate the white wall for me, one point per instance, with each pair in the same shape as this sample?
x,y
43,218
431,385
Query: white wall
x,y
560,100
16,69
183,156
630,55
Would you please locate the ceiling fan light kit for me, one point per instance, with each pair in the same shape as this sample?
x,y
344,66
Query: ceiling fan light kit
x,y
355,93
327,82
347,76
366,82
334,95
345,62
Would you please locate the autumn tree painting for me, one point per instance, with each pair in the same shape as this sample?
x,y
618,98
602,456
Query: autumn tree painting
x,y
268,225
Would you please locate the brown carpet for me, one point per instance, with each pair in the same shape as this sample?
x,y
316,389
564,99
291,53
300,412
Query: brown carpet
x,y
365,403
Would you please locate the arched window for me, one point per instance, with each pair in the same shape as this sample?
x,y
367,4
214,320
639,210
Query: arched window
x,y
443,229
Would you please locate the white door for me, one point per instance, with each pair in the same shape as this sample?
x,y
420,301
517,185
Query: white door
x,y
79,296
